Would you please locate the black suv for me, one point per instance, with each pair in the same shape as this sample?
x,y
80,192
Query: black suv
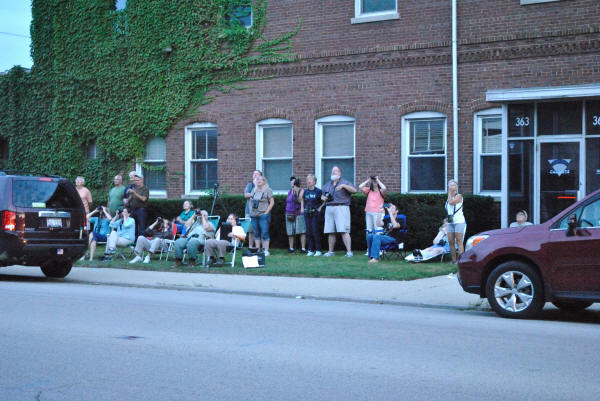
x,y
43,222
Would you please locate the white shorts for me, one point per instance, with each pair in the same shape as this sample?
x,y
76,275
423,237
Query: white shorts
x,y
337,219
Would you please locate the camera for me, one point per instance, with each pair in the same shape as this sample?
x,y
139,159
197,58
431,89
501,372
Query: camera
x,y
99,208
373,177
159,220
329,196
255,203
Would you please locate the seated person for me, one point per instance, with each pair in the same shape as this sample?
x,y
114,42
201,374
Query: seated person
x,y
521,219
387,218
100,218
153,240
195,236
440,245
124,234
227,234
185,217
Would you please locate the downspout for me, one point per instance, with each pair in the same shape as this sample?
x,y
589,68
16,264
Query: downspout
x,y
454,91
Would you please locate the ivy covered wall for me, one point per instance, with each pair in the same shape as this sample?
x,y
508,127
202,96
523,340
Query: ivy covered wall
x,y
121,77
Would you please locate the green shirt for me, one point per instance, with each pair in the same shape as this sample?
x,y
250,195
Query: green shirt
x,y
115,198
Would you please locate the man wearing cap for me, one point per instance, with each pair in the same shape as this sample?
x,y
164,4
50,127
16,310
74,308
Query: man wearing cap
x,y
138,196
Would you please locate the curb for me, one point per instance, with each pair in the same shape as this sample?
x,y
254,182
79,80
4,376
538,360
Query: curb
x,y
480,306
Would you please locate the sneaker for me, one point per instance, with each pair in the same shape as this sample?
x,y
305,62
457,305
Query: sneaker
x,y
303,250
318,253
147,259
291,250
267,253
349,254
82,258
366,253
137,259
373,260
221,262
328,254
310,253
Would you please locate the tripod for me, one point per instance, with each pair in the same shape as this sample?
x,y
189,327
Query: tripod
x,y
216,195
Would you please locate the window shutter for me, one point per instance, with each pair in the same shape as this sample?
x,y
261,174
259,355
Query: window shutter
x,y
277,142
338,140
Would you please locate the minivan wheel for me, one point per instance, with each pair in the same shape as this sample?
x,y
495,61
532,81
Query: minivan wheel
x,y
571,306
514,289
56,269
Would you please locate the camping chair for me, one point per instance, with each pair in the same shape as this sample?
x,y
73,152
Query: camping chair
x,y
396,248
245,224
214,220
411,258
169,243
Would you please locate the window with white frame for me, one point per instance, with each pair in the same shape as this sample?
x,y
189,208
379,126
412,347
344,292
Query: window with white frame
x,y
424,152
334,142
274,152
374,10
154,166
200,157
487,159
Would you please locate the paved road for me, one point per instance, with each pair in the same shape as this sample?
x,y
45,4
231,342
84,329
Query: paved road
x,y
65,341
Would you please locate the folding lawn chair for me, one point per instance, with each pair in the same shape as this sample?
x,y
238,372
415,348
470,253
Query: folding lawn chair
x,y
396,248
169,243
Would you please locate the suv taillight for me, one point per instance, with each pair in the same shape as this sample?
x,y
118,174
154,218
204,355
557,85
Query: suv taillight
x,y
85,222
9,221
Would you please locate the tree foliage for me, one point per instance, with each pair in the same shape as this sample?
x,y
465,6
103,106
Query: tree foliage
x,y
121,77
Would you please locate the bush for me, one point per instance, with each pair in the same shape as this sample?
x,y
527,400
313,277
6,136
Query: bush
x,y
424,214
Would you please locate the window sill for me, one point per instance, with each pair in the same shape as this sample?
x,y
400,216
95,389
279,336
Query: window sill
x,y
526,2
158,194
375,18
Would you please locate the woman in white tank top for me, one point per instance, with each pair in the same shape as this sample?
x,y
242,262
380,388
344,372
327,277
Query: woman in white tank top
x,y
456,220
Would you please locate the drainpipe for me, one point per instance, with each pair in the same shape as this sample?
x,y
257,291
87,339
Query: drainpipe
x,y
454,91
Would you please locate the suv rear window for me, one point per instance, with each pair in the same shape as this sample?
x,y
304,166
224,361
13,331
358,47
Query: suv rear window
x,y
43,194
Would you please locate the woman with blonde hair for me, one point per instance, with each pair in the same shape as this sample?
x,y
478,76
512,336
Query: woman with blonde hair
x,y
456,220
261,204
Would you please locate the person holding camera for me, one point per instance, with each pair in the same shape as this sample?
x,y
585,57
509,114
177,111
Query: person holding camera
x,y
374,189
386,218
248,195
294,215
336,194
312,209
100,218
438,247
196,235
262,203
227,234
456,220
138,197
152,241
124,234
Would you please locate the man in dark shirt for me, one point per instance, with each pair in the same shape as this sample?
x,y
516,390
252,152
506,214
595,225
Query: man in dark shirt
x,y
138,197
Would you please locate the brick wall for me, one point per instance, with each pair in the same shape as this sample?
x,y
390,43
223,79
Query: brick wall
x,y
377,72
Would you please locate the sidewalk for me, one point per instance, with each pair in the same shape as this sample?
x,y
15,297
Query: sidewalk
x,y
436,292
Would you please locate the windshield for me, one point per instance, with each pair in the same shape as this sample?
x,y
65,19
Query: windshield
x,y
42,194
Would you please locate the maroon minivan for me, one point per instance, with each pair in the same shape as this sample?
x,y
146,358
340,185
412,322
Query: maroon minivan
x,y
519,269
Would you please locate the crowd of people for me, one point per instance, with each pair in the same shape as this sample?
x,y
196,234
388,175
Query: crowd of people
x,y
310,211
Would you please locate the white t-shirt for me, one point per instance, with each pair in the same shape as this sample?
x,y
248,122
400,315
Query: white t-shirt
x,y
456,211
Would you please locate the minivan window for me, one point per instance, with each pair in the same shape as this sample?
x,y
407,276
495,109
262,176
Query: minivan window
x,y
42,194
591,214
564,223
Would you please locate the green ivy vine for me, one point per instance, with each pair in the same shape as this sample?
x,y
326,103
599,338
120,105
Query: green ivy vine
x,y
122,77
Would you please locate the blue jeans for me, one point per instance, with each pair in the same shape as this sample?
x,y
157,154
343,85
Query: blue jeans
x,y
260,225
375,241
313,235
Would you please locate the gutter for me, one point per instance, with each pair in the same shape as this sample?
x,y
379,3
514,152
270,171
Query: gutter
x,y
454,91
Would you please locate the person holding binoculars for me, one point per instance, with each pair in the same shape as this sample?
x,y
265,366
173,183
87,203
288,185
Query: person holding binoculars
x,y
374,189
195,236
158,232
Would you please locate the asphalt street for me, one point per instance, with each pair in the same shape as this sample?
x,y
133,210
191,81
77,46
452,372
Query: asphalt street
x,y
67,341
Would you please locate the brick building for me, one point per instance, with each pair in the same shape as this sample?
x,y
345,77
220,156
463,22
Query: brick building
x,y
372,91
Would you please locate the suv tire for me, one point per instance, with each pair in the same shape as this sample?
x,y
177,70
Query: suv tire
x,y
514,290
56,269
571,306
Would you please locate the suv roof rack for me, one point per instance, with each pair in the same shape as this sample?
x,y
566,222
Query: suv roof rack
x,y
29,173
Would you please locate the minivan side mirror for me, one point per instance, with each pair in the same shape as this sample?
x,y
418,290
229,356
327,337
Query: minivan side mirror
x,y
572,226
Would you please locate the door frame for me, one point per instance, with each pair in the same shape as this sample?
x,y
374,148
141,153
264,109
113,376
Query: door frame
x,y
538,168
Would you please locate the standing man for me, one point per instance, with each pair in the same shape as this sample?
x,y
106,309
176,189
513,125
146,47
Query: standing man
x,y
336,194
116,195
138,196
129,187
84,193
248,195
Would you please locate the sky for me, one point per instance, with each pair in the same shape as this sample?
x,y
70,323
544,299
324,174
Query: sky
x,y
15,18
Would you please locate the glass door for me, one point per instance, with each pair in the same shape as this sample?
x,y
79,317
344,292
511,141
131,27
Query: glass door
x,y
559,175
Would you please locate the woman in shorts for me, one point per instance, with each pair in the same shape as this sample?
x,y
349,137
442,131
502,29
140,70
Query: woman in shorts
x,y
456,220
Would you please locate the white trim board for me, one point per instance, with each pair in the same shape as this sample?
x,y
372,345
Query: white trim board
x,y
551,92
